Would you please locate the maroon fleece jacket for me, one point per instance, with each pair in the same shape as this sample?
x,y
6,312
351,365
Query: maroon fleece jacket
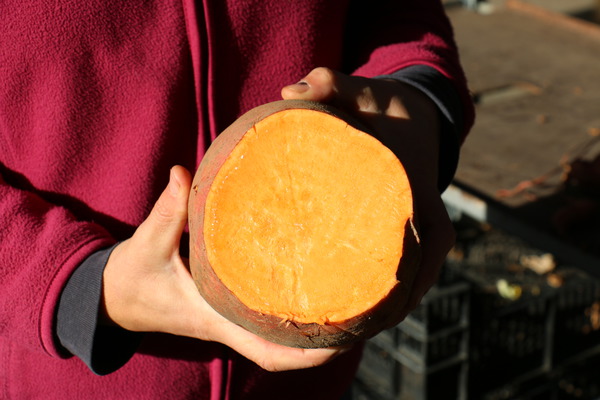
x,y
99,99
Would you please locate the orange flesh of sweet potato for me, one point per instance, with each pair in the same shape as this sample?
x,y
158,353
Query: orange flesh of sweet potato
x,y
305,220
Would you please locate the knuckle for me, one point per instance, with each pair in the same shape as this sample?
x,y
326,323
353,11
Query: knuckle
x,y
269,365
367,102
324,75
324,72
161,213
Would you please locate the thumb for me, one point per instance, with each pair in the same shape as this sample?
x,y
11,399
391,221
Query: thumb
x,y
319,85
165,224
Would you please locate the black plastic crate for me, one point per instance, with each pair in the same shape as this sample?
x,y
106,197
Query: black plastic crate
x,y
443,307
383,376
445,383
379,371
512,310
429,348
426,353
362,390
578,380
511,337
436,332
523,332
472,338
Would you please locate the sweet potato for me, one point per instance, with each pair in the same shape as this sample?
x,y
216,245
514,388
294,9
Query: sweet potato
x,y
301,227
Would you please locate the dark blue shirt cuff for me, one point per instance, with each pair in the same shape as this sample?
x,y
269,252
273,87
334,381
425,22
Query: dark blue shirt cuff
x,y
440,90
104,349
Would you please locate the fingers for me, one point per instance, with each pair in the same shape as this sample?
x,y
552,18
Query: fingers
x,y
268,355
280,358
437,240
437,236
324,85
274,357
165,224
353,93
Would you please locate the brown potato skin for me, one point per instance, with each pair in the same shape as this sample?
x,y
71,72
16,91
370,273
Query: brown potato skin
x,y
270,327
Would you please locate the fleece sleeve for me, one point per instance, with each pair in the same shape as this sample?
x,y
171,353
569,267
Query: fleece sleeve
x,y
388,36
41,244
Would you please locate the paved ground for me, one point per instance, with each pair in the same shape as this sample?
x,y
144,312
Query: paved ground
x,y
539,90
535,73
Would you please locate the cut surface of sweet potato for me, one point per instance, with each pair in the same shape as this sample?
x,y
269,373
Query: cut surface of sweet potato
x,y
305,220
301,227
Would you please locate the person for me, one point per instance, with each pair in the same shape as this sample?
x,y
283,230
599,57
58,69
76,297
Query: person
x,y
107,108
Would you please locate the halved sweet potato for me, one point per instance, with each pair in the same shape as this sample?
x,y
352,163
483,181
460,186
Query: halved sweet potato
x,y
301,227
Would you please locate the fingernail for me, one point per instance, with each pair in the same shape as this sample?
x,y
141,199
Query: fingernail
x,y
173,184
300,87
